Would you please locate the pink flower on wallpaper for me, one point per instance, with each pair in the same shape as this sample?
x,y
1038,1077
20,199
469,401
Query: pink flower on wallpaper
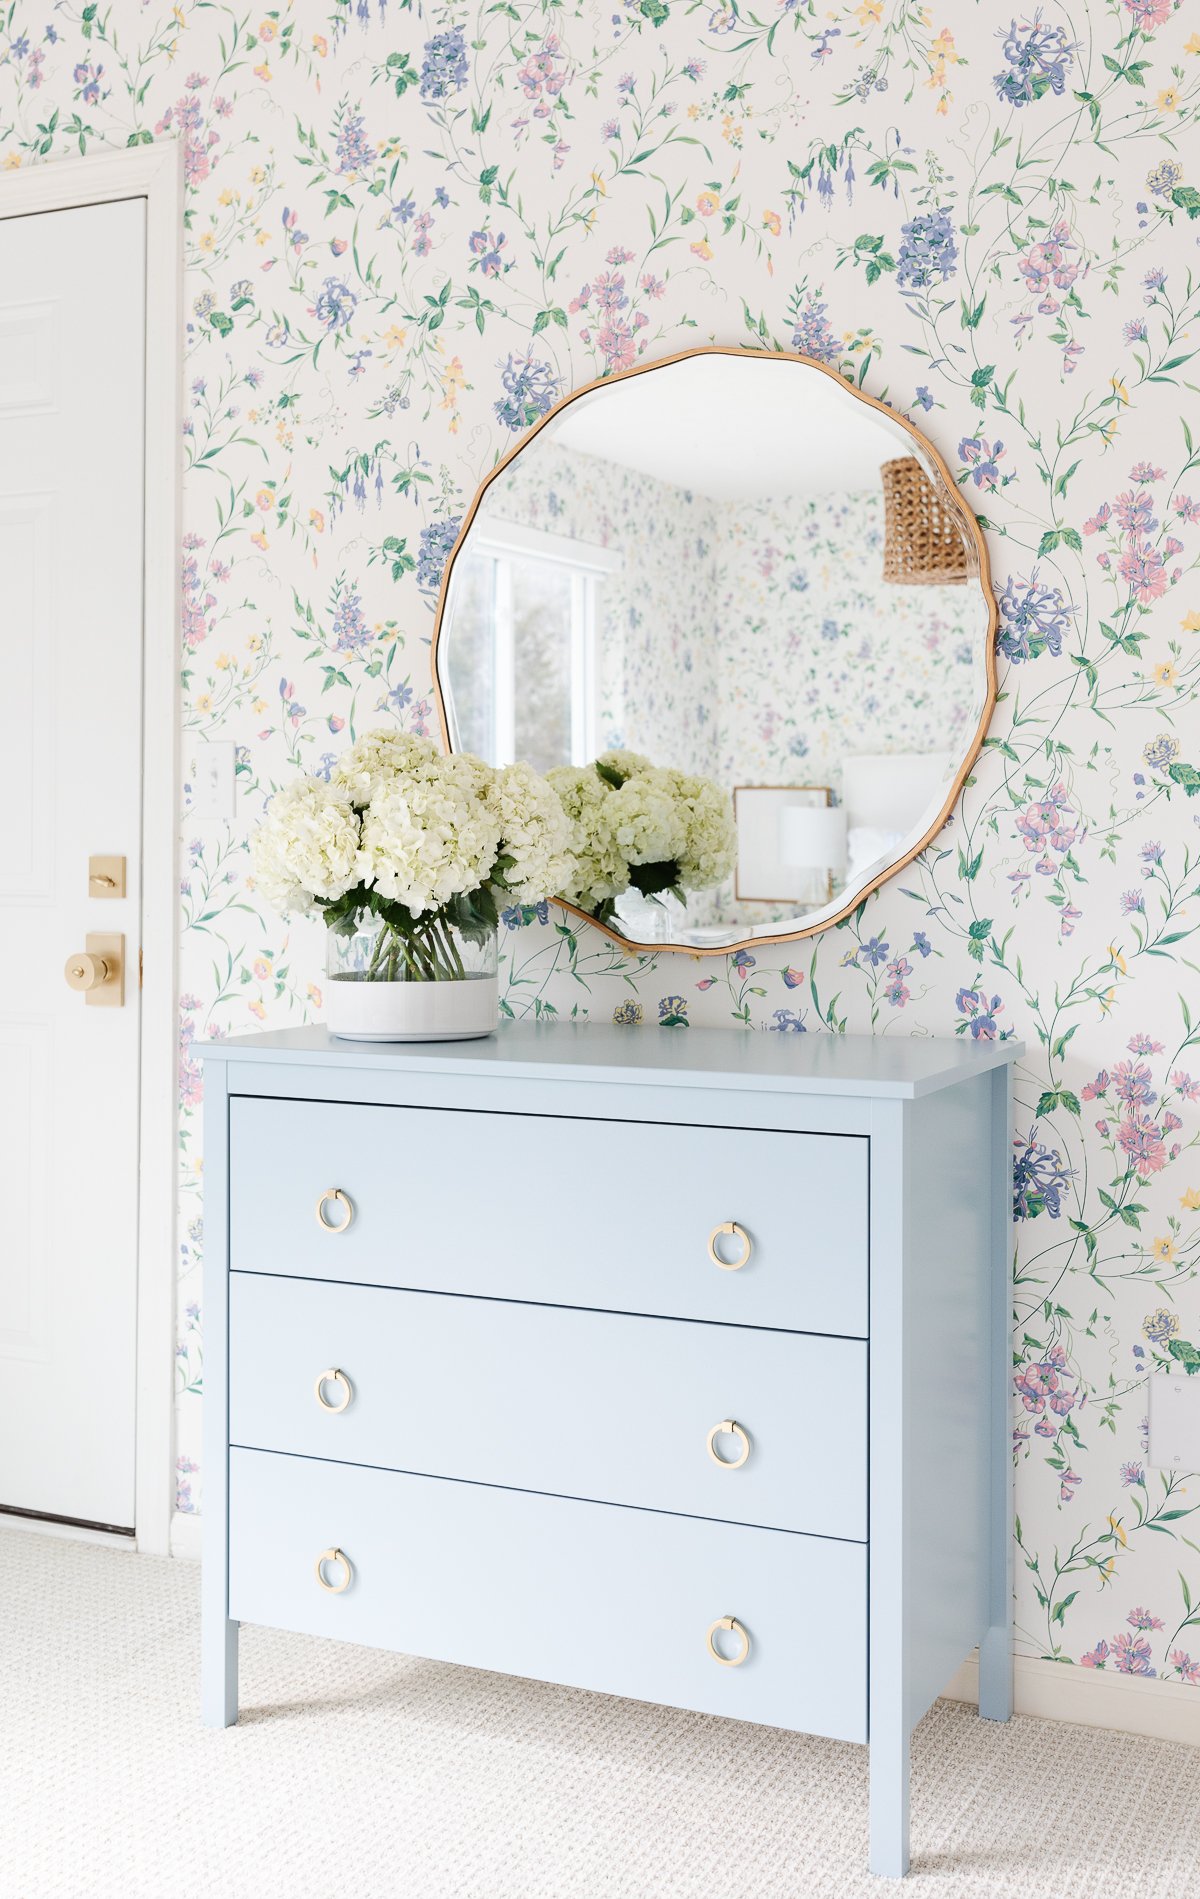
x,y
1049,825
1141,1139
1143,568
1142,1619
1187,1669
1131,1655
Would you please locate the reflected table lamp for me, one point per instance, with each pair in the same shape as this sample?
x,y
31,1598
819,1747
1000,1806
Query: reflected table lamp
x,y
813,837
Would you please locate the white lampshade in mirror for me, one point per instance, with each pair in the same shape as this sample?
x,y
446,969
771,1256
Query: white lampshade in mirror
x,y
813,837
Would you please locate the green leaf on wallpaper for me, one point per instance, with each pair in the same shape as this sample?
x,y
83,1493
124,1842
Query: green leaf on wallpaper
x,y
968,867
1181,774
1089,1238
970,313
1060,1608
1186,1354
654,11
1130,1215
1049,541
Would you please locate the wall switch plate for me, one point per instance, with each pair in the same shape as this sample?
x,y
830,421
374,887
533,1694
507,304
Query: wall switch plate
x,y
212,781
1174,1421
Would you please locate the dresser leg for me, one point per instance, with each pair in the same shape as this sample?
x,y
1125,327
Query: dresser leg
x,y
218,1673
889,1807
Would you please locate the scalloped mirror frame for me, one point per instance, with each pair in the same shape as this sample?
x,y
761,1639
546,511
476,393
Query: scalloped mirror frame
x,y
982,574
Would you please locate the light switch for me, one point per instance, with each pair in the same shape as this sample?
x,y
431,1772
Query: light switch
x,y
212,781
1175,1421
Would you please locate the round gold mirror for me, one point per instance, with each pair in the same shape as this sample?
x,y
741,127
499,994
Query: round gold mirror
x,y
740,614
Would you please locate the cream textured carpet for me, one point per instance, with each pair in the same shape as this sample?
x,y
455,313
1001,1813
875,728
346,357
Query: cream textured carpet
x,y
359,1775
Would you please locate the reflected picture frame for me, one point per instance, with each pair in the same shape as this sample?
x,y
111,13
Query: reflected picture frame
x,y
980,572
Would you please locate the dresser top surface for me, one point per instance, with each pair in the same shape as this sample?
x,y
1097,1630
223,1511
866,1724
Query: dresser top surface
x,y
899,1068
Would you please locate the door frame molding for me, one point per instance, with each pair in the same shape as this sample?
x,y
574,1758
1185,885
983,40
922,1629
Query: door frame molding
x,y
154,173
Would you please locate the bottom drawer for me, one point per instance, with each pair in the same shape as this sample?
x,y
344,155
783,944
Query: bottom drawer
x,y
593,1595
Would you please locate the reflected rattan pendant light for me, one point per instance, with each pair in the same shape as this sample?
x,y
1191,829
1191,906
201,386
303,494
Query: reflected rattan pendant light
x,y
922,542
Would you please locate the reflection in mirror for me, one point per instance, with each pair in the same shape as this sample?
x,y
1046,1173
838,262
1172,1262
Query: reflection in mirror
x,y
688,566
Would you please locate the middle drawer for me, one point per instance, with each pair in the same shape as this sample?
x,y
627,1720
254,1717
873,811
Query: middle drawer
x,y
606,1406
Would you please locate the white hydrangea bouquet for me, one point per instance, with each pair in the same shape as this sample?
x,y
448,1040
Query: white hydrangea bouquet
x,y
404,852
649,828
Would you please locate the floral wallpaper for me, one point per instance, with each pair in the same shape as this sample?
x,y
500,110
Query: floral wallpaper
x,y
409,229
657,661
822,657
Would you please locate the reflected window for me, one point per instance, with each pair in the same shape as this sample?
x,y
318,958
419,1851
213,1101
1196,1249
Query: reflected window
x,y
521,594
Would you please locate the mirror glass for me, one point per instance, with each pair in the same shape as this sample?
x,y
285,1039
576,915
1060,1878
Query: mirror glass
x,y
730,569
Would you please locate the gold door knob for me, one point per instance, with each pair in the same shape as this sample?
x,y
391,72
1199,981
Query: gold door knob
x,y
745,1246
731,1626
98,970
84,971
345,1206
333,1377
334,1555
734,1429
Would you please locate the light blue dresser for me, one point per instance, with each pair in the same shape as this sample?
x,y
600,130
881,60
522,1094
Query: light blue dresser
x,y
670,1364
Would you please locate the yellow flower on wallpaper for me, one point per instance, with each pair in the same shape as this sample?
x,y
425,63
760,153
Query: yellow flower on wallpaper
x,y
1192,45
772,222
1163,1251
1191,1200
1164,675
1191,623
702,249
1168,100
868,12
1115,1526
395,337
707,203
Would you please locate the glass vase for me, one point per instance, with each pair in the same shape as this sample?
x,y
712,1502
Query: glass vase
x,y
389,985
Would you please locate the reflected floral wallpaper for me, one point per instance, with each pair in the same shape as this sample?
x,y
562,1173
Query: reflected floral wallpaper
x,y
409,229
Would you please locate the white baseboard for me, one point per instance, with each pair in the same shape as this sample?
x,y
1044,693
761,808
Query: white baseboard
x,y
1060,1691
185,1534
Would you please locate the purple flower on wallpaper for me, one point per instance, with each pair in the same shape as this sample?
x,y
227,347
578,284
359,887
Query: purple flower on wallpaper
x,y
1133,903
335,304
896,990
350,631
1185,1667
983,459
980,1013
922,944
1132,1474
436,541
786,1021
1131,1084
529,390
1037,58
354,150
812,335
486,249
875,951
923,399
1033,619
1040,1177
1131,1655
928,252
444,68
1095,1657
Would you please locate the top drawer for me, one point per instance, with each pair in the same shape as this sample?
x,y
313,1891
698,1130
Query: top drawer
x,y
615,1214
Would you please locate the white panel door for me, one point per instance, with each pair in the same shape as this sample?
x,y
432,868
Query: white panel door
x,y
72,343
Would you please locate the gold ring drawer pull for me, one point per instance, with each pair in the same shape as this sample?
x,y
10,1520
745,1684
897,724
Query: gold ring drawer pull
x,y
728,1426
333,1377
338,1588
341,1200
732,1626
744,1240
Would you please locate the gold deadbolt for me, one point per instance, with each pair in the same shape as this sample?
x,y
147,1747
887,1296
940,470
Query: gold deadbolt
x,y
98,971
106,876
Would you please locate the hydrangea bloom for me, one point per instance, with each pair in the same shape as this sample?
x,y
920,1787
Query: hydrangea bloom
x,y
928,252
308,846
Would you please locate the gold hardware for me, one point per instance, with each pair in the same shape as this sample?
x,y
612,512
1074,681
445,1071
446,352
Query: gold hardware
x,y
338,1588
98,971
106,876
732,1626
344,1201
333,1377
735,1430
729,1265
